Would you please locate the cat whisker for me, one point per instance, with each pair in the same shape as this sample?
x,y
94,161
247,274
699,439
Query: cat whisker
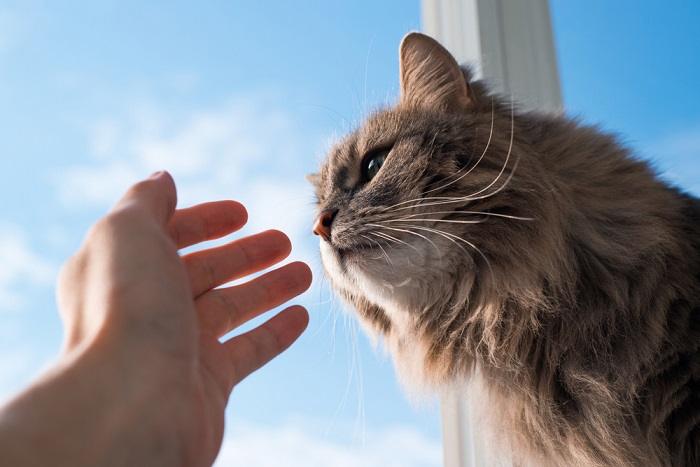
x,y
394,238
457,174
372,241
385,237
439,232
475,213
416,234
388,259
473,196
450,221
454,239
510,149
357,361
460,177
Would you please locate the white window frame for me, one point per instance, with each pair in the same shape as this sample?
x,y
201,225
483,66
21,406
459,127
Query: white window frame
x,y
511,44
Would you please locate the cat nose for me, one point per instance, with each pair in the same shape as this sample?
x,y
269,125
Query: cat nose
x,y
322,226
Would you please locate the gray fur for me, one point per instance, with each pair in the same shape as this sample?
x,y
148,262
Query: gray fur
x,y
575,298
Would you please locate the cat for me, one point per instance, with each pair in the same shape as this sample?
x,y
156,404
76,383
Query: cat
x,y
525,251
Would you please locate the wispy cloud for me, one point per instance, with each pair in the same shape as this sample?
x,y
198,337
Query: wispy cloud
x,y
22,268
245,149
292,445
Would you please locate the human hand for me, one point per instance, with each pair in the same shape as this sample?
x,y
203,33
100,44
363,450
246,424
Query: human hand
x,y
142,364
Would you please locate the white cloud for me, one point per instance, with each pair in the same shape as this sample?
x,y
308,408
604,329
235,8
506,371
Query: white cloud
x,y
244,149
210,152
21,267
294,446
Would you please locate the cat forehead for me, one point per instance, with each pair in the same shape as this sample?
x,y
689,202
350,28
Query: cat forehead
x,y
346,153
380,129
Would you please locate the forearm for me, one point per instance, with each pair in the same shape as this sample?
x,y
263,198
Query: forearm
x,y
79,414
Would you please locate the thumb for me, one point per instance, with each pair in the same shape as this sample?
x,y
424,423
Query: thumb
x,y
156,195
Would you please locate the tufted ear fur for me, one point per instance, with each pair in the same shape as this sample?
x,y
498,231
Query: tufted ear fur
x,y
314,179
430,76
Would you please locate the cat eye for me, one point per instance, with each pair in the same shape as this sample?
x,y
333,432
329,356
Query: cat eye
x,y
372,162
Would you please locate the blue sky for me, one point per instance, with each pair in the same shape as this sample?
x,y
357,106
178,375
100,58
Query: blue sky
x,y
239,100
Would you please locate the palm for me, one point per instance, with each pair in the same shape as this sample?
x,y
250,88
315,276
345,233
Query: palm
x,y
220,366
160,314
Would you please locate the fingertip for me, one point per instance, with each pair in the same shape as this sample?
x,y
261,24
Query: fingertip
x,y
169,192
231,214
167,181
294,320
300,317
304,273
157,195
283,242
239,211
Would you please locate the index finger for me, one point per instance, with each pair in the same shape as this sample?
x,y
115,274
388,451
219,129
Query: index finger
x,y
156,195
206,221
253,349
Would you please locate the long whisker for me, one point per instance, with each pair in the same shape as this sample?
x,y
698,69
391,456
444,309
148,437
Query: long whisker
x,y
372,241
480,213
388,258
510,148
449,235
386,237
488,143
397,239
472,197
441,233
449,221
416,234
457,174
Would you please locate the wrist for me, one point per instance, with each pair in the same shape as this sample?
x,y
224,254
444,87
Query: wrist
x,y
84,411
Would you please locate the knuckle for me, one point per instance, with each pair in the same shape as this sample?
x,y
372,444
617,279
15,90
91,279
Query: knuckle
x,y
111,224
230,312
70,281
104,226
73,267
139,187
66,275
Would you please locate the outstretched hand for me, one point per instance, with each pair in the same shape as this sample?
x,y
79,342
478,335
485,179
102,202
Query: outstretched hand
x,y
143,323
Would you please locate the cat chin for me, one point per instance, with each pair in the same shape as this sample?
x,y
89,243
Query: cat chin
x,y
391,285
397,297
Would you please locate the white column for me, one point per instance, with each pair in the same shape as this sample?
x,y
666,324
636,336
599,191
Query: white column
x,y
510,44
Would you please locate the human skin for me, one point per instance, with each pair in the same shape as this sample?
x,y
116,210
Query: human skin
x,y
142,379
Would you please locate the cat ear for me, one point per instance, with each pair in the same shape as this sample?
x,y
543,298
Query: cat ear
x,y
314,179
430,76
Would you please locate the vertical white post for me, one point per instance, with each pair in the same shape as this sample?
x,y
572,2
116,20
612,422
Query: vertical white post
x,y
510,44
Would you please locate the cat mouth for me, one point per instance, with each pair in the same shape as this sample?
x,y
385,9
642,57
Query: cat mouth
x,y
354,250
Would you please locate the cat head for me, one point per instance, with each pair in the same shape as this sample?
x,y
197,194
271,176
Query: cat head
x,y
419,209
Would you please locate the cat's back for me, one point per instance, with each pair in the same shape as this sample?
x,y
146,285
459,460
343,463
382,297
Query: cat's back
x,y
674,388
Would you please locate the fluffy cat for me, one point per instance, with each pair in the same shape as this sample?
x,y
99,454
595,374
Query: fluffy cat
x,y
528,251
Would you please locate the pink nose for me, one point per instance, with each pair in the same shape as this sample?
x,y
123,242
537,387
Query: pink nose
x,y
322,226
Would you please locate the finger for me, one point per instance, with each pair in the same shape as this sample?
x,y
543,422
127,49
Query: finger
x,y
206,221
156,195
215,266
222,310
253,349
